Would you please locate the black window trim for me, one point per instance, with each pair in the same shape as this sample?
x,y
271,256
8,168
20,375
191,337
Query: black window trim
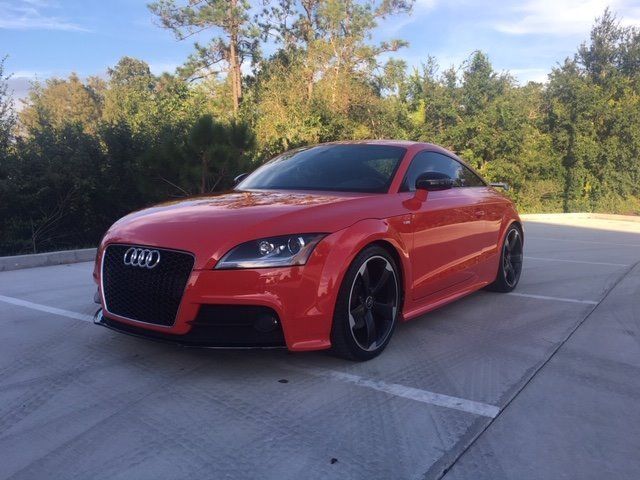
x,y
426,150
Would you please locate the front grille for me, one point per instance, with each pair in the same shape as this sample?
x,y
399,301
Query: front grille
x,y
143,294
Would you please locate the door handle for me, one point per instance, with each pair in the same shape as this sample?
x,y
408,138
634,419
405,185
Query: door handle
x,y
479,213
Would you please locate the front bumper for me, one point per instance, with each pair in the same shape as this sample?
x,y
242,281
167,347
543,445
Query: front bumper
x,y
300,298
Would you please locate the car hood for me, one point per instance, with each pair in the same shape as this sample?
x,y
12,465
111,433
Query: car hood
x,y
211,225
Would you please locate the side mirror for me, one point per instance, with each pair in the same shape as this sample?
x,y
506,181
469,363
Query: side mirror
x,y
504,186
434,181
239,178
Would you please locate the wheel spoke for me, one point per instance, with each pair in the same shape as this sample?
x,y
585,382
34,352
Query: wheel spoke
x,y
383,310
510,274
371,328
366,281
514,241
358,316
507,267
382,281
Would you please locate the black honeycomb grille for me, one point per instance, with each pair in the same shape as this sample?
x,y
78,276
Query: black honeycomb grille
x,y
147,295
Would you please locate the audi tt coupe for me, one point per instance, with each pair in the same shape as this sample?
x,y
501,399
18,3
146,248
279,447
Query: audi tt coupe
x,y
329,246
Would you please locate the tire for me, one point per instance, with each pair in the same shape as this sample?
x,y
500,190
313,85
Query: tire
x,y
510,267
368,306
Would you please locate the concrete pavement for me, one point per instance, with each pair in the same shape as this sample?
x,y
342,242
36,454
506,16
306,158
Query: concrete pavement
x,y
542,383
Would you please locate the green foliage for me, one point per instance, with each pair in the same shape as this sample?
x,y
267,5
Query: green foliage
x,y
594,119
7,112
61,101
222,150
86,152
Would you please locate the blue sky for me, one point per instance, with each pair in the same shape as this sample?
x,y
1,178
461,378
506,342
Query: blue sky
x,y
45,38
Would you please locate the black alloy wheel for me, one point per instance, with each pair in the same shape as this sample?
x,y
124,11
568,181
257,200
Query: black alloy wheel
x,y
511,259
368,305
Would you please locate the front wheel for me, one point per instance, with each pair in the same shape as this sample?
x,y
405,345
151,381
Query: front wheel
x,y
367,307
511,258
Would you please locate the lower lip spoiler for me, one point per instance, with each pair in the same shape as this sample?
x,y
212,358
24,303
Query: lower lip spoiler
x,y
99,319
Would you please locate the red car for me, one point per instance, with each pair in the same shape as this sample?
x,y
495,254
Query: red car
x,y
328,246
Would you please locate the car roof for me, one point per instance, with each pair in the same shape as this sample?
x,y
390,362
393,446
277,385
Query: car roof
x,y
394,143
409,144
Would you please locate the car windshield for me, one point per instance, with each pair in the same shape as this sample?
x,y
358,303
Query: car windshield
x,y
344,168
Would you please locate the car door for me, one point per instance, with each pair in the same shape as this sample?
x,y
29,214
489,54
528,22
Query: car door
x,y
445,227
488,210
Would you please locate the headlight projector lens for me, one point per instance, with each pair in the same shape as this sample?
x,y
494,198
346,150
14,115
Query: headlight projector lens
x,y
295,244
265,247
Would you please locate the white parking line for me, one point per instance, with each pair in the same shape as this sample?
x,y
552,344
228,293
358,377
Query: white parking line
x,y
585,241
575,261
46,309
557,299
423,396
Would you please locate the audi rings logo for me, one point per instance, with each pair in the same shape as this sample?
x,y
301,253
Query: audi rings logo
x,y
142,257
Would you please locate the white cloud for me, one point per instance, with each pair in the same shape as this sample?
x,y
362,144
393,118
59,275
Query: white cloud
x,y
392,26
525,75
19,88
28,15
29,74
561,17
158,68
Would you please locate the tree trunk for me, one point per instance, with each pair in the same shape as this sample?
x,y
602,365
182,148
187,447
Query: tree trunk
x,y
233,72
234,63
309,84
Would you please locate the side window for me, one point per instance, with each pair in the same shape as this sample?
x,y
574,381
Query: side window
x,y
466,178
437,162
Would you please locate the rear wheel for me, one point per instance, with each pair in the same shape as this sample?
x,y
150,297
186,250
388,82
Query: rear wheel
x,y
510,262
367,308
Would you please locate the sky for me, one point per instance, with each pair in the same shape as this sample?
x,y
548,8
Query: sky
x,y
47,38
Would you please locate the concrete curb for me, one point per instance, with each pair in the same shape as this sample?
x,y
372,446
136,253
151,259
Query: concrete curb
x,y
18,262
580,216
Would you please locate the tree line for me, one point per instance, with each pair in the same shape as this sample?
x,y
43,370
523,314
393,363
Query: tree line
x,y
83,152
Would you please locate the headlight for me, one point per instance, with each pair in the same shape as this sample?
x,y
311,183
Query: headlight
x,y
282,251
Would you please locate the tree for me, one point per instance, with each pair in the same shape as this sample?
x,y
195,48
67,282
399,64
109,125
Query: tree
x,y
333,35
130,95
131,71
220,148
7,112
55,187
236,40
320,85
594,119
61,101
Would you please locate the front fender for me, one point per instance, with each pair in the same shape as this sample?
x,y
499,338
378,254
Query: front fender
x,y
340,248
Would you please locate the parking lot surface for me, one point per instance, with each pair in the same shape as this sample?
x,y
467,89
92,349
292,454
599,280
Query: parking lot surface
x,y
540,383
